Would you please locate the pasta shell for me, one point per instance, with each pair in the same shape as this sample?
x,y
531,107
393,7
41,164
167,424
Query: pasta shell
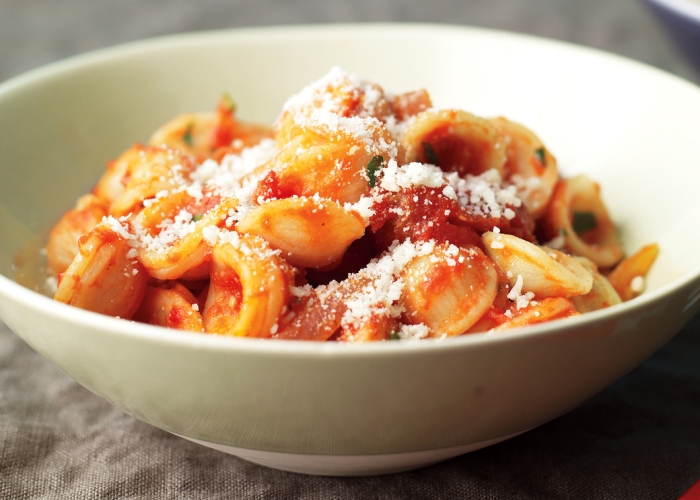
x,y
545,272
547,309
190,133
333,162
62,246
102,278
448,290
182,251
338,93
145,171
529,166
602,293
249,288
310,232
456,140
574,198
174,307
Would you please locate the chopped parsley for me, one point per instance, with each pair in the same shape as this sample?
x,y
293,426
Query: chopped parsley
x,y
540,154
187,135
227,103
373,167
584,221
430,153
394,335
197,217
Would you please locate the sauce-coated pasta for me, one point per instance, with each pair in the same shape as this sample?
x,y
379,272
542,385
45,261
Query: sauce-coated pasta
x,y
358,216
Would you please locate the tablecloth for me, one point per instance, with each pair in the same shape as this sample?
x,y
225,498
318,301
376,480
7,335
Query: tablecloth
x,y
638,439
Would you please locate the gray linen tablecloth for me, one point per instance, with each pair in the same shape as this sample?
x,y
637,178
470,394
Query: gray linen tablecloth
x,y
638,439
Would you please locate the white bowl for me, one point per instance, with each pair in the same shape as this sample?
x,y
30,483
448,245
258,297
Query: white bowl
x,y
330,408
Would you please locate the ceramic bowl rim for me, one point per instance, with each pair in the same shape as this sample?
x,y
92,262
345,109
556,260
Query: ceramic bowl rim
x,y
109,325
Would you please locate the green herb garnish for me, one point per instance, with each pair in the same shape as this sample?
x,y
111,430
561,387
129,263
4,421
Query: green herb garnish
x,y
187,135
430,153
373,167
584,221
197,217
394,335
227,103
563,232
540,154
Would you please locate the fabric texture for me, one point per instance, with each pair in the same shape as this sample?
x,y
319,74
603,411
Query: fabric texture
x,y
639,439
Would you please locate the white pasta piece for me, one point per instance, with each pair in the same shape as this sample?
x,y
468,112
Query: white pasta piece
x,y
602,293
249,287
171,243
190,133
448,290
529,166
543,271
337,93
579,197
102,278
210,135
331,159
310,232
173,307
544,310
145,171
62,246
456,140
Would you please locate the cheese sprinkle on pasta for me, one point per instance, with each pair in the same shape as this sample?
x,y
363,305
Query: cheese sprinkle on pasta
x,y
359,215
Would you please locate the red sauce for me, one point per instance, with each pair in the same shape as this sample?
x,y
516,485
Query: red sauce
x,y
200,206
270,187
229,293
176,318
425,213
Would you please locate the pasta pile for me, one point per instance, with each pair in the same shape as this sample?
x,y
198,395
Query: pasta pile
x,y
358,216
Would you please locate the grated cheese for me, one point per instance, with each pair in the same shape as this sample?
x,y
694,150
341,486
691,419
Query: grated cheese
x,y
395,178
637,284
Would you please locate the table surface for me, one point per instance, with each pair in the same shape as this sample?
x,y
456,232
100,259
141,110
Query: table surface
x,y
639,439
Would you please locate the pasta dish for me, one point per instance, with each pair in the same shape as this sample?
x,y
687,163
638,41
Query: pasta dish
x,y
358,216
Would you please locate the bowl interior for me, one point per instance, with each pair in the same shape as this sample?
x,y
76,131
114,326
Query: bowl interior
x,y
631,128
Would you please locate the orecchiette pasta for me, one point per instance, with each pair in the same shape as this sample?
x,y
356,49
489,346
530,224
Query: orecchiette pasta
x,y
456,141
62,246
308,231
529,165
449,289
209,135
602,293
103,277
542,271
172,307
249,287
358,216
576,215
